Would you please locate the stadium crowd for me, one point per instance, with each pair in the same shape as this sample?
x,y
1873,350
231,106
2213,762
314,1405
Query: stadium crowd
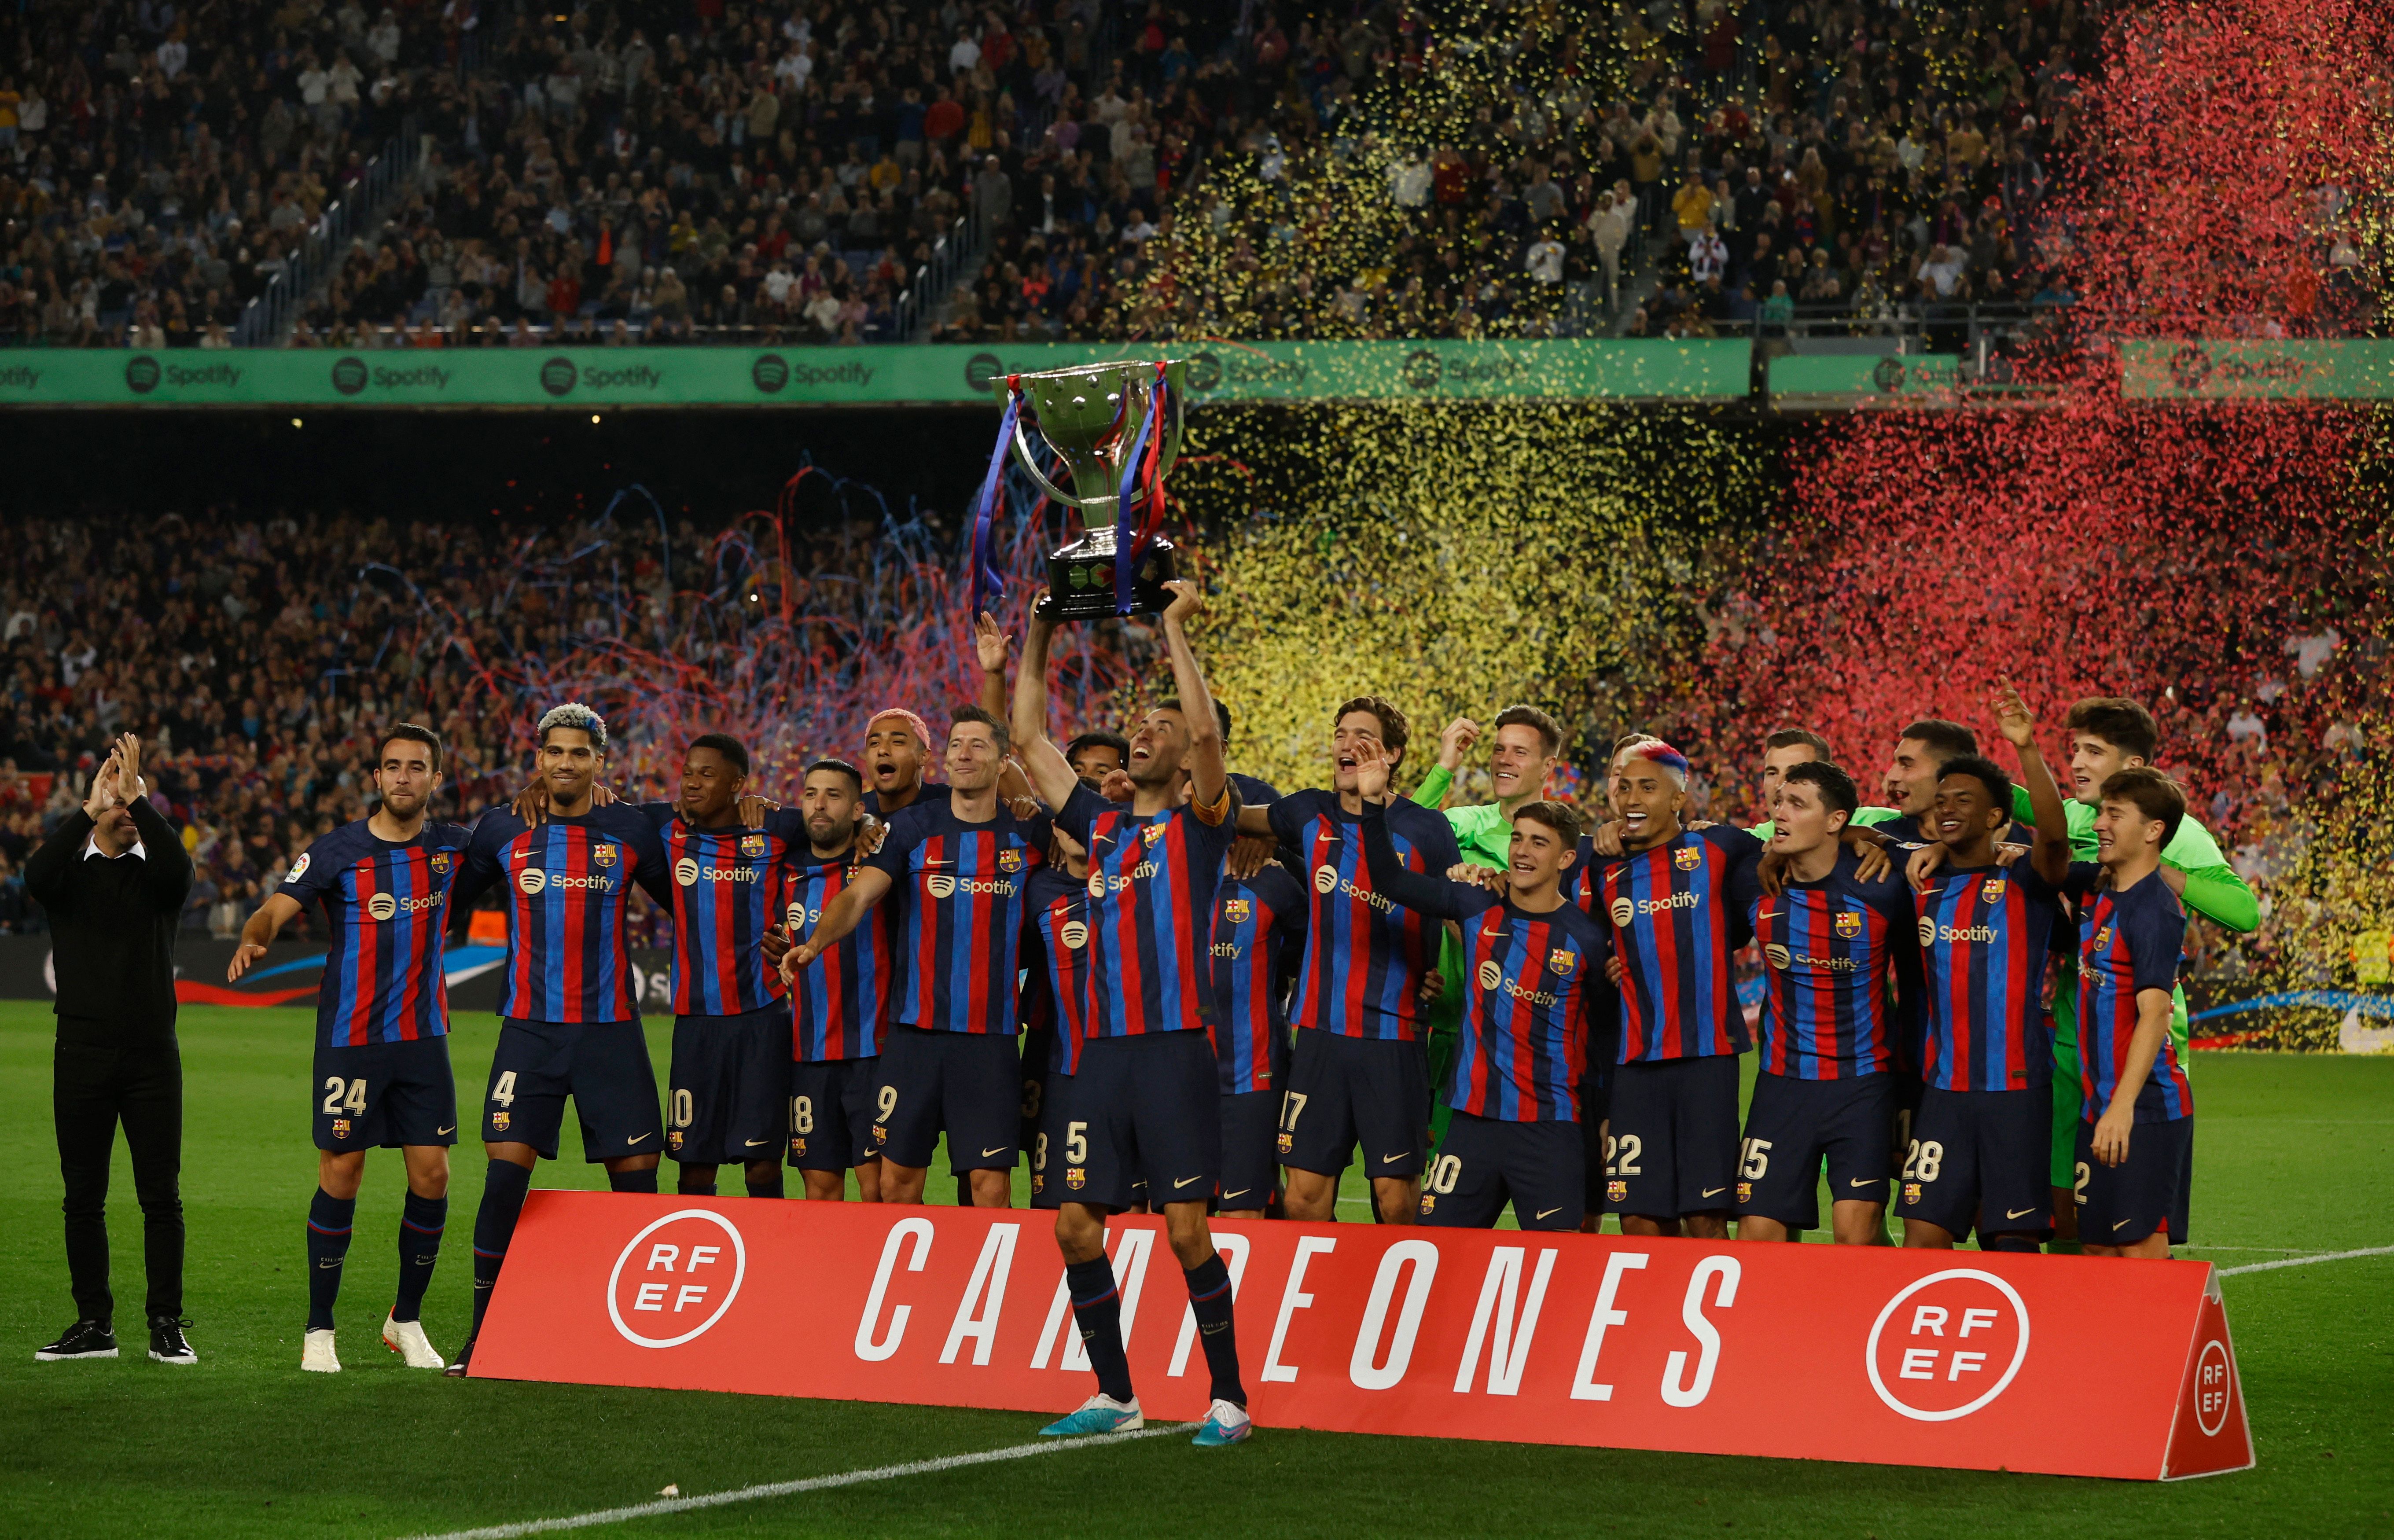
x,y
782,170
256,655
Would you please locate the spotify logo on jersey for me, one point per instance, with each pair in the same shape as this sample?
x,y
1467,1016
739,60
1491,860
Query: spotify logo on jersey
x,y
1491,975
532,879
1928,931
1074,935
1776,955
942,886
1325,879
1623,912
686,872
382,906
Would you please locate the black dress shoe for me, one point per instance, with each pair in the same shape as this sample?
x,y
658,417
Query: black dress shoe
x,y
83,1339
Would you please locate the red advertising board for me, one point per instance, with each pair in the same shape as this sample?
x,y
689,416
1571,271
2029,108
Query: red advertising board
x,y
2069,1366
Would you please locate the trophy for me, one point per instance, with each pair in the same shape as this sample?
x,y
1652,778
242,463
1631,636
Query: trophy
x,y
1095,418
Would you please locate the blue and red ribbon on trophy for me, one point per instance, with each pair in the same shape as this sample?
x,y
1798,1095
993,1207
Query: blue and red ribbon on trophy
x,y
1142,470
988,583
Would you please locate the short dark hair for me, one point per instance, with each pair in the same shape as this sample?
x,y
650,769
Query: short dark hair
x,y
837,766
1222,718
1174,702
2154,795
734,753
1946,739
975,713
1393,729
415,732
2119,721
1788,737
1531,717
1114,740
1838,788
1562,817
1981,769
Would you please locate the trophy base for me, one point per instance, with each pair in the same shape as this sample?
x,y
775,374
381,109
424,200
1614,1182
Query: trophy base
x,y
1081,578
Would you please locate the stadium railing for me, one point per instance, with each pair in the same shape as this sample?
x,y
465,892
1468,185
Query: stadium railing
x,y
266,321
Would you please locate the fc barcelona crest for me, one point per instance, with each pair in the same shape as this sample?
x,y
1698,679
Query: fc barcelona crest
x,y
1152,832
340,1127
1850,924
2102,938
1616,1191
1076,1177
752,845
1009,859
1992,890
1238,911
1560,963
602,855
499,1122
440,863
1687,858
674,1138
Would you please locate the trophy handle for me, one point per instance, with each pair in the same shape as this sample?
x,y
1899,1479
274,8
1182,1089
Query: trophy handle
x,y
1031,463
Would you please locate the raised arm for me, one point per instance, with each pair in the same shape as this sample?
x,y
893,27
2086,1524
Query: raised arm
x,y
1051,775
1208,776
2052,852
167,866
1423,893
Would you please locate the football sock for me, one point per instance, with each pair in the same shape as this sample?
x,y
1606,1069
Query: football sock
x,y
329,1221
638,1182
765,1184
1097,1305
690,1183
420,1224
1209,1300
2010,1243
495,1226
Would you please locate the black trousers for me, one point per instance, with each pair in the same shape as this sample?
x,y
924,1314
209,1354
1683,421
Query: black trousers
x,y
96,1085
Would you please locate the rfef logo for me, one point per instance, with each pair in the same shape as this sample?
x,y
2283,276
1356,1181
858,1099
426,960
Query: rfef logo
x,y
2211,1377
1948,1344
676,1278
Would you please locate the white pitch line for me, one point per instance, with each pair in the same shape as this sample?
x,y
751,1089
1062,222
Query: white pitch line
x,y
784,1489
2307,1261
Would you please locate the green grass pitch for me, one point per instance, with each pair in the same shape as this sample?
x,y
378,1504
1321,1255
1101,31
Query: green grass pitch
x,y
2296,1155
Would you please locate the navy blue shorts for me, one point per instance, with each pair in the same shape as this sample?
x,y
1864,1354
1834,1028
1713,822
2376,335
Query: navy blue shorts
x,y
603,1065
728,1092
1046,1140
1486,1162
1343,1091
1595,1105
1144,1109
1250,1144
384,1096
2119,1205
1906,1108
1794,1125
1980,1160
1672,1146
967,1084
832,1111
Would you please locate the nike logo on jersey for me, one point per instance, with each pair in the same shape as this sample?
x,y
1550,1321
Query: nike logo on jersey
x,y
2018,1212
755,1142
1710,1192
1544,1212
635,1139
1185,1181
999,1150
1496,935
438,1132
1866,1181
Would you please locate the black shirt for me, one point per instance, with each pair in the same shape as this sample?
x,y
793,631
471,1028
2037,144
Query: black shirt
x,y
113,923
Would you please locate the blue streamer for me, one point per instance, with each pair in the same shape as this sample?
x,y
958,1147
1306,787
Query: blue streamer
x,y
988,583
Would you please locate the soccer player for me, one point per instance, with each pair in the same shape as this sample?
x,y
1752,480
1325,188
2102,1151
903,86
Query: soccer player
x,y
1258,936
1142,1099
382,1076
896,743
1981,1143
2133,1156
568,1023
1054,996
1095,755
841,1001
2107,736
1514,1135
949,1063
729,1087
1681,903
1832,944
1358,1070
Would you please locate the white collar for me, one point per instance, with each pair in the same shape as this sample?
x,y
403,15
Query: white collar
x,y
91,847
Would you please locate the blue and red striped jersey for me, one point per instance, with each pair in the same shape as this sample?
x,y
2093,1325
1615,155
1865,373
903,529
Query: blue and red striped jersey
x,y
569,890
384,906
1679,912
1841,971
840,1002
964,887
1259,940
2130,940
1985,933
1055,985
727,890
1529,981
1365,956
1150,911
